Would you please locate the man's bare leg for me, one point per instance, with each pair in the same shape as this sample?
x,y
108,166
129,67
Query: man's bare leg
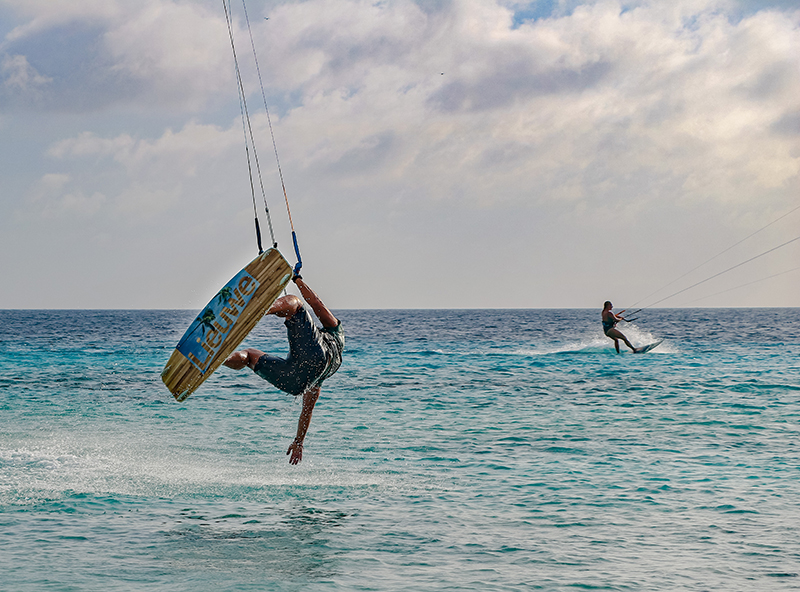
x,y
617,334
296,448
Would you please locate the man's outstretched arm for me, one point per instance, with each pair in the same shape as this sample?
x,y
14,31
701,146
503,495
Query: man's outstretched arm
x,y
324,315
296,448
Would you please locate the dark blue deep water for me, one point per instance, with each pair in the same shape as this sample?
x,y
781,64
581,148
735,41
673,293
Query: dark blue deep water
x,y
454,450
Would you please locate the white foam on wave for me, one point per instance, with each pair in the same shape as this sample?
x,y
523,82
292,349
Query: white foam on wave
x,y
596,342
588,344
639,337
135,464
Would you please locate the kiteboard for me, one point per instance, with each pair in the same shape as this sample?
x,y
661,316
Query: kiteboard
x,y
646,348
225,322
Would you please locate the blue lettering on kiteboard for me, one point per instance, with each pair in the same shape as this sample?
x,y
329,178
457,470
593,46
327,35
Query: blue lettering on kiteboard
x,y
205,336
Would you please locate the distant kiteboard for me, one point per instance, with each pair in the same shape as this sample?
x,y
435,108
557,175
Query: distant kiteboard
x,y
225,322
646,348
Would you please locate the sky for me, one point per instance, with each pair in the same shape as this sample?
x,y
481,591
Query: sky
x,y
436,153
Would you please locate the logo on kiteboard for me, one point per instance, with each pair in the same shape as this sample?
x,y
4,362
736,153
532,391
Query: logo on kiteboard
x,y
205,336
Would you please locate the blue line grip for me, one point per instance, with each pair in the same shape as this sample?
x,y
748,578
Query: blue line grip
x,y
296,252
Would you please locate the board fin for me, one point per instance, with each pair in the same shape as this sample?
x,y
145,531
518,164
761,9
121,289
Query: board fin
x,y
225,322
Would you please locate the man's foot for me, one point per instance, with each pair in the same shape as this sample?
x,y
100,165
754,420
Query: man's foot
x,y
247,357
237,360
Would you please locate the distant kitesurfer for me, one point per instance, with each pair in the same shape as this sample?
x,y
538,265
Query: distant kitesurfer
x,y
610,321
314,355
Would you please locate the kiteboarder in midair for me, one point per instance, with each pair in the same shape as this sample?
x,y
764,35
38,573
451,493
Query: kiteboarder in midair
x,y
314,355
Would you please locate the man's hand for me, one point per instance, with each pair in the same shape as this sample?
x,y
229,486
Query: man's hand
x,y
296,450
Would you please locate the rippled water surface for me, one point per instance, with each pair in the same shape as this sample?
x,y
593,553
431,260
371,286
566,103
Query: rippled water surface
x,y
454,450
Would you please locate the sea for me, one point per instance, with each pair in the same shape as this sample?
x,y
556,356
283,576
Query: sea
x,y
475,450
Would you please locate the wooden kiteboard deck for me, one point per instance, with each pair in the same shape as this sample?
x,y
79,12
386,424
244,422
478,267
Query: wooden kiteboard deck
x,y
225,322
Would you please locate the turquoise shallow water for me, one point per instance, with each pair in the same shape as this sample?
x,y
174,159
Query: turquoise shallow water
x,y
454,450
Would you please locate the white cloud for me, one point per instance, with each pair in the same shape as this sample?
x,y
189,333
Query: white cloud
x,y
45,14
89,144
49,184
52,197
602,107
392,117
605,106
181,50
19,76
174,155
546,110
154,53
83,204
